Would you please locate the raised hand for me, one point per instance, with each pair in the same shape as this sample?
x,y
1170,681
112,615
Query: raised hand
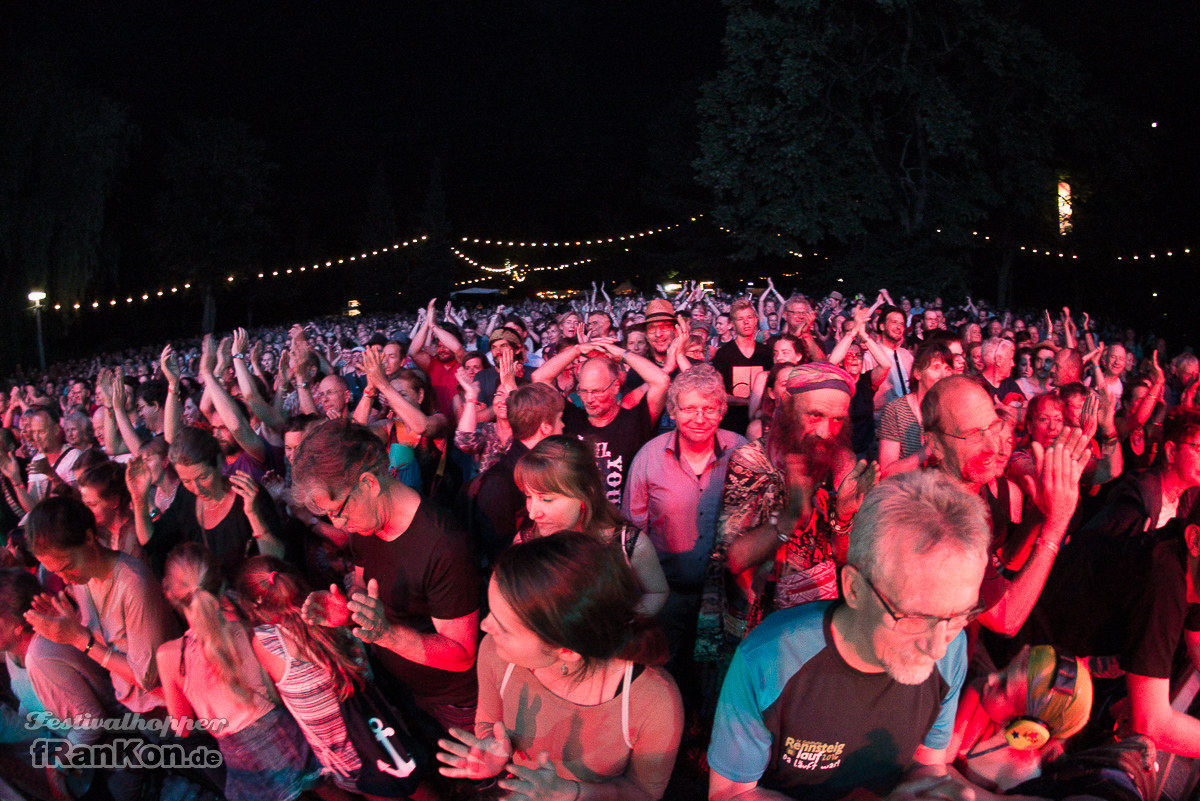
x,y
169,365
208,355
245,486
137,478
373,367
238,344
1088,419
1156,371
1054,486
853,486
104,380
224,356
473,757
117,391
507,368
274,484
470,386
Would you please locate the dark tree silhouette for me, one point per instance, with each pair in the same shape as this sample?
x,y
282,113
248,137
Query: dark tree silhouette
x,y
211,215
883,132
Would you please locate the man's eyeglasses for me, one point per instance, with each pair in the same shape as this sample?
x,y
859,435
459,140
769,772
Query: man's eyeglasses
x,y
709,413
340,514
920,624
592,393
976,436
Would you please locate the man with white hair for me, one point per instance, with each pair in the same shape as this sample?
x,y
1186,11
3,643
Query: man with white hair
x,y
997,354
673,493
841,696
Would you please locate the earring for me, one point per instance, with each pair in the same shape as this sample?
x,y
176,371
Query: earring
x,y
563,668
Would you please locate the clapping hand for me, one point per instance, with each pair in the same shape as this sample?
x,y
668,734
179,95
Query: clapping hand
x,y
56,618
1054,485
538,781
473,757
326,607
367,610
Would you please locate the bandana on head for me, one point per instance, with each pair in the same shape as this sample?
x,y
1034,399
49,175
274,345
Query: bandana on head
x,y
819,375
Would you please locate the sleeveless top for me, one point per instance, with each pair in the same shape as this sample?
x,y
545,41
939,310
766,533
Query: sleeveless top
x,y
307,690
626,534
208,694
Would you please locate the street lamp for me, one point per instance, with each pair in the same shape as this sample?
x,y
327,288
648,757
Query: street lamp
x,y
37,296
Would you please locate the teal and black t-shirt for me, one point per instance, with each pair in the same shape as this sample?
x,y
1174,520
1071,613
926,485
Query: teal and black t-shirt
x,y
794,717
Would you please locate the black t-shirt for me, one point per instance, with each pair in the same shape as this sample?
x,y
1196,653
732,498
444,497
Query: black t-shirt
x,y
615,445
499,505
1159,613
1007,394
231,541
862,416
738,371
429,571
1121,597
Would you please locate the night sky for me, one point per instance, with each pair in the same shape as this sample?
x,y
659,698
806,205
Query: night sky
x,y
539,113
547,119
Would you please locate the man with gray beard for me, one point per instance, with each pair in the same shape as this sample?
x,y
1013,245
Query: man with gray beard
x,y
789,498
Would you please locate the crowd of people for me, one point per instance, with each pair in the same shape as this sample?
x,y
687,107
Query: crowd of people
x,y
696,543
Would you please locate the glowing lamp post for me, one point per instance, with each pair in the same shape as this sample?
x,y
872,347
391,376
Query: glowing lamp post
x,y
37,296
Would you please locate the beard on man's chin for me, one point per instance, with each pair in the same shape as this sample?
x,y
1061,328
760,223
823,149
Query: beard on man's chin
x,y
820,455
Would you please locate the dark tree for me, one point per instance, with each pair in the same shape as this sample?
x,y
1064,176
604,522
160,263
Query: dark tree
x,y
883,133
211,215
60,156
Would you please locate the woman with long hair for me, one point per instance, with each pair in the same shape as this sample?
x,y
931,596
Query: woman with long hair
x,y
211,674
102,489
571,701
160,510
234,517
563,490
411,424
314,668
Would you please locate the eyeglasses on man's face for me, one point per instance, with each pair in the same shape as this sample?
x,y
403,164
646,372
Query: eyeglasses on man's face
x,y
340,514
977,435
595,393
920,624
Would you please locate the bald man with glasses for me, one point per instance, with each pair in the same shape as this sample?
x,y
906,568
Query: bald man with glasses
x,y
616,431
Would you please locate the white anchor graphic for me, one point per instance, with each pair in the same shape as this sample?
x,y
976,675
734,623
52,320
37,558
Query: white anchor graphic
x,y
403,767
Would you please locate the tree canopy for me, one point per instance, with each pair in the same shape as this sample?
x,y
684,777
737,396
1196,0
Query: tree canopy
x,y
883,132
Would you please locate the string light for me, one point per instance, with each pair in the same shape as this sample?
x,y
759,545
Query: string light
x,y
598,240
229,279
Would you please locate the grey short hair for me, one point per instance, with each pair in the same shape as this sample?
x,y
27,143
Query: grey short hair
x,y
702,378
992,347
916,512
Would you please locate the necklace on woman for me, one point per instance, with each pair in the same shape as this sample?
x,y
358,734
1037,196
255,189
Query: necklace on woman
x,y
164,499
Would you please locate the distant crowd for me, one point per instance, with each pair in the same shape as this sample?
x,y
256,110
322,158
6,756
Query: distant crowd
x,y
692,544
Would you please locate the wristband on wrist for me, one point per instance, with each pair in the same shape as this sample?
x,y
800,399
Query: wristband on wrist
x,y
838,526
90,643
1047,544
241,356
